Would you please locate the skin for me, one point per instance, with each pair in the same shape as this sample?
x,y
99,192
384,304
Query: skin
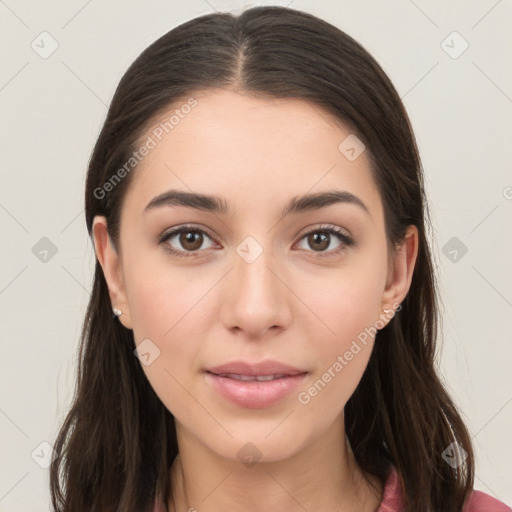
x,y
290,304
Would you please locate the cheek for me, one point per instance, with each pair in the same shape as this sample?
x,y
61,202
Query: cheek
x,y
347,304
162,298
345,301
167,309
159,314
341,355
169,317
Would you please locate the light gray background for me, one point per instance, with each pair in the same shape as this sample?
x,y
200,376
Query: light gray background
x,y
52,110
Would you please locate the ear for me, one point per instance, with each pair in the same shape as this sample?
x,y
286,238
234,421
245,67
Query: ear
x,y
400,273
111,264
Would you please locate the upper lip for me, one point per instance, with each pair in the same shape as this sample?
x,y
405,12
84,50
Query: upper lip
x,y
262,368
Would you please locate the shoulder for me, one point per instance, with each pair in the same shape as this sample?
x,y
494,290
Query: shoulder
x,y
478,501
481,502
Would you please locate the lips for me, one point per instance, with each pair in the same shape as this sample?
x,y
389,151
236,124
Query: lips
x,y
267,368
260,378
255,385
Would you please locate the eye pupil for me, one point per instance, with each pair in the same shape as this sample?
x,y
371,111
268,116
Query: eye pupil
x,y
323,238
191,237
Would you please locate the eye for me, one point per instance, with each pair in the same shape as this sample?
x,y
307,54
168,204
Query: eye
x,y
190,238
320,239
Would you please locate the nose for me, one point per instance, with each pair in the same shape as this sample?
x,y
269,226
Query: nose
x,y
256,297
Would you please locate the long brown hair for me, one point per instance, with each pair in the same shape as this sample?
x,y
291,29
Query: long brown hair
x,y
117,443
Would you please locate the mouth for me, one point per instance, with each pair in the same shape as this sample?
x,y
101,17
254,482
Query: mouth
x,y
254,386
263,369
259,378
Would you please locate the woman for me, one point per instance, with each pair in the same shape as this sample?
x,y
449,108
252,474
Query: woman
x,y
257,208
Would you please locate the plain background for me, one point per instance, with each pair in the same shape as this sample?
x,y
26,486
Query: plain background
x,y
52,110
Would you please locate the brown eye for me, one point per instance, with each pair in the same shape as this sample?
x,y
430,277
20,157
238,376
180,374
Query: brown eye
x,y
186,240
321,239
190,240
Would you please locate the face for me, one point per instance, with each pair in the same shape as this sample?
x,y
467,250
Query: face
x,y
206,287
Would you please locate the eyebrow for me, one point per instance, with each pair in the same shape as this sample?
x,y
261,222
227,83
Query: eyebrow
x,y
214,204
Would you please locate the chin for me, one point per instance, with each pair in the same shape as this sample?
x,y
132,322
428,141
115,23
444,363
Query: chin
x,y
256,445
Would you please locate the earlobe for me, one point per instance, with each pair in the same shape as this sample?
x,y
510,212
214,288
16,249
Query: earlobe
x,y
110,262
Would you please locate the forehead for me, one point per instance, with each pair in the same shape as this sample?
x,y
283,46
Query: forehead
x,y
254,152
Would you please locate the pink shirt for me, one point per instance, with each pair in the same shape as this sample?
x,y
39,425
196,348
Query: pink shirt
x,y
478,501
392,499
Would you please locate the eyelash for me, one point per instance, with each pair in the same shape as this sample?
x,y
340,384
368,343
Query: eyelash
x,y
332,230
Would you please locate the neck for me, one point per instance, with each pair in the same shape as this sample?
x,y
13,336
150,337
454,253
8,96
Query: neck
x,y
322,477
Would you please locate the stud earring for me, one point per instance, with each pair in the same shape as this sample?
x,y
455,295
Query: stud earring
x,y
116,313
387,311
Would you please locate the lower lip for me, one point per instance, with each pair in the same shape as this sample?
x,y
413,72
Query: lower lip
x,y
254,394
